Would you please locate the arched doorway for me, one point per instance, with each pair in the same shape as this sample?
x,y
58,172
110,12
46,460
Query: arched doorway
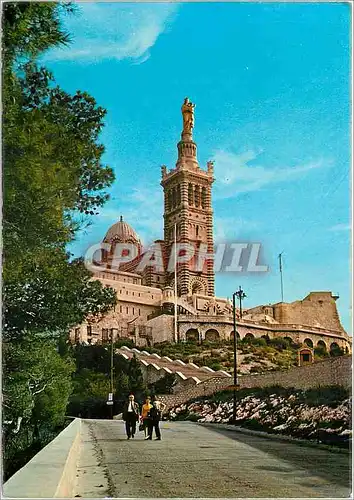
x,y
305,356
212,335
322,345
308,342
248,337
192,335
232,335
335,350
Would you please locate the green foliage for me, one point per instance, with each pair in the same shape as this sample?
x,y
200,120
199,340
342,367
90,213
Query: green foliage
x,y
321,352
164,385
136,382
336,351
31,28
36,388
259,342
128,343
53,180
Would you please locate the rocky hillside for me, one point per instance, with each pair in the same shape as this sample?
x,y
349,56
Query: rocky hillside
x,y
323,415
254,355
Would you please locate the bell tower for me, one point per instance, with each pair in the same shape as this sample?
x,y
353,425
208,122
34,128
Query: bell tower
x,y
187,204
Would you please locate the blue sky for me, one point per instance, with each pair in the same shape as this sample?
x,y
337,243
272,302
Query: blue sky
x,y
271,83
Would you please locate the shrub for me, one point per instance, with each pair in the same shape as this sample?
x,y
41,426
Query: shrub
x,y
193,417
280,343
216,366
259,342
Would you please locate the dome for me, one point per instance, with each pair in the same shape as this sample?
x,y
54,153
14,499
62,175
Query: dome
x,y
121,232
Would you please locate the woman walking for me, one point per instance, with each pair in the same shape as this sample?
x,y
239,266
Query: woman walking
x,y
145,416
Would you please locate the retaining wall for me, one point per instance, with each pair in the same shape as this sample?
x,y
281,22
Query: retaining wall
x,y
332,371
52,472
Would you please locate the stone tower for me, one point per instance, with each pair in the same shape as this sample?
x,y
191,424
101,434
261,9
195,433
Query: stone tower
x,y
187,203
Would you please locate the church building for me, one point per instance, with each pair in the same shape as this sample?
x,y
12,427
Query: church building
x,y
148,294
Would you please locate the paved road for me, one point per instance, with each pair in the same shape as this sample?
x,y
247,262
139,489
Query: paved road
x,y
196,461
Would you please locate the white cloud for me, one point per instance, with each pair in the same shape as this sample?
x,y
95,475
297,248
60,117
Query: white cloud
x,y
141,207
114,31
234,174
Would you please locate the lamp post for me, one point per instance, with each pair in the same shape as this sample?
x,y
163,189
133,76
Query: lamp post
x,y
110,401
241,295
235,357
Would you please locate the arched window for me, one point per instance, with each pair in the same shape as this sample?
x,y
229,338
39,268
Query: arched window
x,y
212,335
192,335
190,194
169,200
178,194
174,197
197,196
197,231
203,197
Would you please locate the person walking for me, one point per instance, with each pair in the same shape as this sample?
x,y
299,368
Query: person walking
x,y
145,416
130,416
160,405
154,421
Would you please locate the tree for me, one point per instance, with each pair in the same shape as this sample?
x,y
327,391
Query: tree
x,y
53,182
164,385
135,377
35,395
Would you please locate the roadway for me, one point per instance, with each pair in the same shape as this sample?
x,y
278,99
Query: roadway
x,y
193,461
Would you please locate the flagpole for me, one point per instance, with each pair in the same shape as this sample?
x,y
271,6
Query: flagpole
x,y
175,252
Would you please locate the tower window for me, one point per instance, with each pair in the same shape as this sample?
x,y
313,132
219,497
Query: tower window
x,y
197,230
178,195
190,194
203,197
197,196
127,310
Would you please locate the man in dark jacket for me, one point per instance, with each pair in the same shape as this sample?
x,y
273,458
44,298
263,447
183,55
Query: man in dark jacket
x,y
154,423
130,416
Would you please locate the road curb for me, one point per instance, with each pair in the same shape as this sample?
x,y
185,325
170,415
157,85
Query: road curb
x,y
277,437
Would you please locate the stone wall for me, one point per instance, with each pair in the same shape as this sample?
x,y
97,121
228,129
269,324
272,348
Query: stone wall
x,y
317,309
201,325
162,328
333,371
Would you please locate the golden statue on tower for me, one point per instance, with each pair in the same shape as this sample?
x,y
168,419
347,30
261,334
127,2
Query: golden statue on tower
x,y
188,116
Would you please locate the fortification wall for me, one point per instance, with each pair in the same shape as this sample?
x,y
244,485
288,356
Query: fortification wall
x,y
318,309
333,371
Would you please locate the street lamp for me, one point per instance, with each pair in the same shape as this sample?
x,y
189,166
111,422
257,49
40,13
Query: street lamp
x,y
235,357
240,294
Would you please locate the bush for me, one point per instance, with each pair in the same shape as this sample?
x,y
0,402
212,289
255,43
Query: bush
x,y
124,342
193,417
216,366
280,343
259,342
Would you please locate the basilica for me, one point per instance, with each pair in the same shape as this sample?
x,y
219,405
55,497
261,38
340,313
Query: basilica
x,y
172,303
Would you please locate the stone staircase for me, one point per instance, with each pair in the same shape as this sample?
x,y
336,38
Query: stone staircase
x,y
187,306
187,373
